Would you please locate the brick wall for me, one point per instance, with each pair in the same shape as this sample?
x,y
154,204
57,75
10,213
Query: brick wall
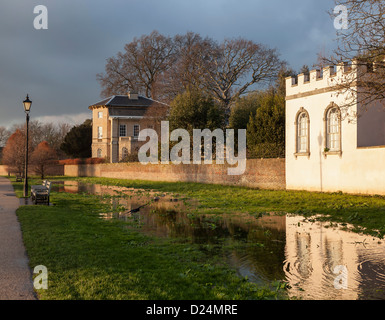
x,y
3,170
259,173
56,170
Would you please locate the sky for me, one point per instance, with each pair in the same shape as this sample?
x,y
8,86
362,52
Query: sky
x,y
57,66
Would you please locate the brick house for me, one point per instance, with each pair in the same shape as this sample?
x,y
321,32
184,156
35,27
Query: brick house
x,y
117,121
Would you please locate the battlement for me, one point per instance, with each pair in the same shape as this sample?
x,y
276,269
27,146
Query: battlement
x,y
326,78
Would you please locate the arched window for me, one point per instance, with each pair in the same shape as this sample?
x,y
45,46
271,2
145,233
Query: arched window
x,y
333,129
99,153
302,124
124,153
302,132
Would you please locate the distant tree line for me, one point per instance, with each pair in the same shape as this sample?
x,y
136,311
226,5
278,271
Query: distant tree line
x,y
48,142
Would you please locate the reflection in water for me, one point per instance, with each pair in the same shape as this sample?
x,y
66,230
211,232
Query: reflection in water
x,y
303,261
272,247
329,248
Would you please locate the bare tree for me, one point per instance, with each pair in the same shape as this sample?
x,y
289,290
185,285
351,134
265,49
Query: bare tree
x,y
186,72
42,157
361,49
235,66
4,135
14,152
53,133
162,67
139,67
154,115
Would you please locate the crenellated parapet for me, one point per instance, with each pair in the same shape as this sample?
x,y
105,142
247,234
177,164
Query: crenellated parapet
x,y
319,80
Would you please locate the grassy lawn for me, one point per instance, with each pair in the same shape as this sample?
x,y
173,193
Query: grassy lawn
x,y
91,258
365,213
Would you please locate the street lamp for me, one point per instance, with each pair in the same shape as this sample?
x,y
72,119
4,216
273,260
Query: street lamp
x,y
27,108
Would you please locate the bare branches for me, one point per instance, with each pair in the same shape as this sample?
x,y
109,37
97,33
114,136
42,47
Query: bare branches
x,y
52,133
192,53
4,135
161,67
363,45
139,67
366,33
230,69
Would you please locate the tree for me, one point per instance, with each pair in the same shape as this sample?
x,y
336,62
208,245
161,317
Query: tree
x,y
235,66
154,116
14,152
139,67
362,44
186,71
305,70
266,130
263,114
42,157
280,82
34,131
77,142
4,135
162,67
52,133
243,108
194,109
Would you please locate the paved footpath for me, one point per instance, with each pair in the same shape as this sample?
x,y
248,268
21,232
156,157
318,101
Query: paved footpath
x,y
15,275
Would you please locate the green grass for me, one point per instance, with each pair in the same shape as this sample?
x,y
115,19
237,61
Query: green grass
x,y
365,213
91,258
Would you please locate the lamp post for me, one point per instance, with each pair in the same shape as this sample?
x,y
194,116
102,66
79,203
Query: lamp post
x,y
27,107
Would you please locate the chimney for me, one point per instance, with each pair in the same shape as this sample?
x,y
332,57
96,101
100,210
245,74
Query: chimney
x,y
133,96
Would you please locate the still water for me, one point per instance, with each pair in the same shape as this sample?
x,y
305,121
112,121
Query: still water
x,y
318,261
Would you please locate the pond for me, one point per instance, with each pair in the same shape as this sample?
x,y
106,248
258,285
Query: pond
x,y
318,260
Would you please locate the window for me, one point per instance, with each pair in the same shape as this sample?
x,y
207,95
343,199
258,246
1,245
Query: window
x,y
122,130
302,131
99,153
333,129
302,144
100,115
136,130
100,132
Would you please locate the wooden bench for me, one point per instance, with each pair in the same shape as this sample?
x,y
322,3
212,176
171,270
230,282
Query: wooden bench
x,y
41,193
40,186
19,178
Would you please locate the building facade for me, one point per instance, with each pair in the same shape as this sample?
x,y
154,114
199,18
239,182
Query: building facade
x,y
331,147
117,121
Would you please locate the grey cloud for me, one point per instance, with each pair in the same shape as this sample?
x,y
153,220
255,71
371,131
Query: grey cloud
x,y
58,66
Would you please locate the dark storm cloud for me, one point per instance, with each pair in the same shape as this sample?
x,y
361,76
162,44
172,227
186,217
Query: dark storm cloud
x,y
57,67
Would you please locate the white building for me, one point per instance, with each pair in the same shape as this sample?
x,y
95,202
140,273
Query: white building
x,y
328,148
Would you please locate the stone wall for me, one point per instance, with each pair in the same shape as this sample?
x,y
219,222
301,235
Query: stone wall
x,y
259,173
55,170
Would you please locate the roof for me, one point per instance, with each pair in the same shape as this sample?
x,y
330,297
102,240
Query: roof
x,y
123,107
125,101
127,112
